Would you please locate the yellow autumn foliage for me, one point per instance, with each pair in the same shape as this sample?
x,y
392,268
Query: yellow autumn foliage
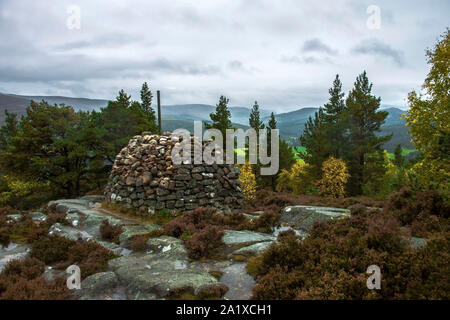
x,y
296,180
334,178
13,189
248,181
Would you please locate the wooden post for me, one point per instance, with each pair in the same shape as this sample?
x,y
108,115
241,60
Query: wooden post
x,y
159,112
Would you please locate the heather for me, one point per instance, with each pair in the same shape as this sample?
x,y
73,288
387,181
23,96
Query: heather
x,y
331,262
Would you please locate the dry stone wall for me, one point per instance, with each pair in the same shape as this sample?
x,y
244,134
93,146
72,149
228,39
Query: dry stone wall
x,y
144,177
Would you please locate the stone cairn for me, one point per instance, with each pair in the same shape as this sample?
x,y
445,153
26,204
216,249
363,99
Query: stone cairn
x,y
144,177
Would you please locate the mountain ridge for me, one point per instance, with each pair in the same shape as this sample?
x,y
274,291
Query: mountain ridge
x,y
290,123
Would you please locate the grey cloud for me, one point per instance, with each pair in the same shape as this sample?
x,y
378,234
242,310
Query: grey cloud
x,y
315,45
305,59
377,47
196,51
105,40
81,67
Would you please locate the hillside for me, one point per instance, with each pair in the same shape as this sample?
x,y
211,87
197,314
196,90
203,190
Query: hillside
x,y
291,124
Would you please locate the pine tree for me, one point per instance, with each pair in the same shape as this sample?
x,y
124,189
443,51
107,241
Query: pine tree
x,y
146,102
255,118
335,121
286,160
399,160
54,145
272,122
315,140
221,118
364,121
8,130
123,99
118,122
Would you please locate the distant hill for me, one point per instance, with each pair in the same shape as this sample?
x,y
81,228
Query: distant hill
x,y
291,124
18,104
239,115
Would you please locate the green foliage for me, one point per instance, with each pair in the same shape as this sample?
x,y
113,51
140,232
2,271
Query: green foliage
x,y
284,155
9,130
221,118
428,120
364,121
347,130
119,122
297,180
335,124
399,160
22,194
55,146
146,103
272,124
163,216
255,118
315,139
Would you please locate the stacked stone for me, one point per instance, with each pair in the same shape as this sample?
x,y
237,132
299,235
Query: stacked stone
x,y
144,177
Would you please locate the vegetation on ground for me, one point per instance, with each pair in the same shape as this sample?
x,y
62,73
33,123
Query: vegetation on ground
x,y
331,263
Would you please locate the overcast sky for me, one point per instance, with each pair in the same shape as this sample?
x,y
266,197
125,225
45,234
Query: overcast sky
x,y
283,53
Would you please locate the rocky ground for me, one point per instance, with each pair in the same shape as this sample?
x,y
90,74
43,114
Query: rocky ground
x,y
165,267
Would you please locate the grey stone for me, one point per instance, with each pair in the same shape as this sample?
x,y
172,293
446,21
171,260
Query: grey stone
x,y
233,237
303,217
69,232
415,243
158,274
13,251
131,231
99,283
253,250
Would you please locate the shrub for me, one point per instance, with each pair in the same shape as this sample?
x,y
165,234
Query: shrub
x,y
163,216
90,257
139,242
24,194
265,222
424,211
297,180
279,284
248,181
212,292
254,265
205,242
334,178
110,232
36,289
51,248
331,262
23,280
358,209
27,268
